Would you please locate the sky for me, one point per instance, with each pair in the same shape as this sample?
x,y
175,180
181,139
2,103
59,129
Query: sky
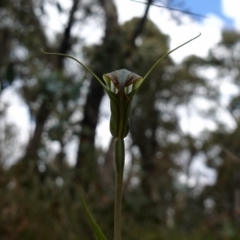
x,y
206,7
220,14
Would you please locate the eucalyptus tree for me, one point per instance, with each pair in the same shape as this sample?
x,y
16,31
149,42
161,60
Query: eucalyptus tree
x,y
221,147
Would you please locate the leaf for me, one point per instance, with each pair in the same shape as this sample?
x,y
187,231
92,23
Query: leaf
x,y
98,232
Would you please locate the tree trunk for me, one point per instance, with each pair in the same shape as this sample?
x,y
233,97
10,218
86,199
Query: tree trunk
x,y
110,57
47,104
106,57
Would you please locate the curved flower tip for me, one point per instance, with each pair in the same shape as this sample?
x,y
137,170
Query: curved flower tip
x,y
122,79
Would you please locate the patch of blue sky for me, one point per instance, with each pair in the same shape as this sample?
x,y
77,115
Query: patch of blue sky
x,y
204,7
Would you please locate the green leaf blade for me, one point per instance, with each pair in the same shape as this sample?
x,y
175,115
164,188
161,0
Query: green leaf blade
x,y
97,230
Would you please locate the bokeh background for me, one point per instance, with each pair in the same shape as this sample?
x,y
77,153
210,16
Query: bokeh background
x,y
182,174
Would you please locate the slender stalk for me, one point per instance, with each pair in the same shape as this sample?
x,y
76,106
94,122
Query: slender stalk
x,y
119,158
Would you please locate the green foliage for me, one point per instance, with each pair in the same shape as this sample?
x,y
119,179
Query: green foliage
x,y
40,208
41,192
97,230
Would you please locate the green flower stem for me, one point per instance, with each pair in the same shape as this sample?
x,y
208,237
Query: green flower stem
x,y
117,85
119,158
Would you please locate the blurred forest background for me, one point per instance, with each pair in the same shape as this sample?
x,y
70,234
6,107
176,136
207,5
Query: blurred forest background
x,y
40,192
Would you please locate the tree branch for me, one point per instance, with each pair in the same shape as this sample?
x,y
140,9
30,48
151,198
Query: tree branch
x,y
65,44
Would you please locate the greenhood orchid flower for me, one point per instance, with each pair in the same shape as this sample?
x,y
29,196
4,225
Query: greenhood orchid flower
x,y
121,86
